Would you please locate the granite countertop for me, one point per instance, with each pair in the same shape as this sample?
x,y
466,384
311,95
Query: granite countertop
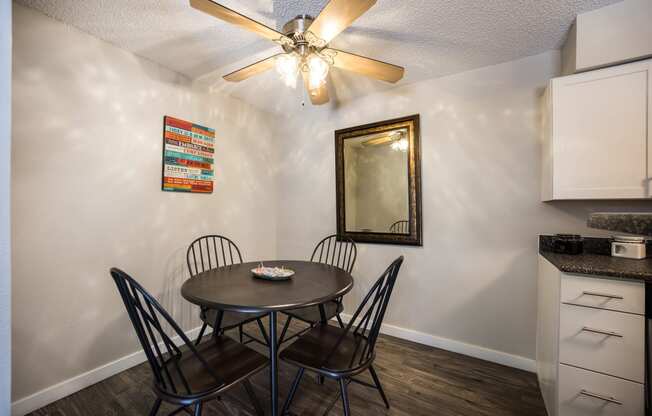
x,y
590,263
626,222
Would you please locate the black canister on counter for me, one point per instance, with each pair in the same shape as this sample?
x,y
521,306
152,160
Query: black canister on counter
x,y
567,244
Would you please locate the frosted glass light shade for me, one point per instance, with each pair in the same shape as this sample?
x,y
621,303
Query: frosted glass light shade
x,y
287,65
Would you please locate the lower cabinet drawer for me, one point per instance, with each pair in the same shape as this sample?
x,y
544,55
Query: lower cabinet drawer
x,y
585,393
615,295
605,341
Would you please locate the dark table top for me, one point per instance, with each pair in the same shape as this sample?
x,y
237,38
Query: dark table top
x,y
234,288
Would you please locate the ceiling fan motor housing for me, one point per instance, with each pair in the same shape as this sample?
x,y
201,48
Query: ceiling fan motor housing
x,y
295,29
299,24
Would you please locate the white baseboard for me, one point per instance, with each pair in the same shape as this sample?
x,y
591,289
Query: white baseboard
x,y
463,348
67,387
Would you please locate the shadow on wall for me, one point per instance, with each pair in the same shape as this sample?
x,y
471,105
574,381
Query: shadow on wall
x,y
176,272
183,312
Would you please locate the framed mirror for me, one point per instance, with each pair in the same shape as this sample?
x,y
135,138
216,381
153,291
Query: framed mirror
x,y
378,182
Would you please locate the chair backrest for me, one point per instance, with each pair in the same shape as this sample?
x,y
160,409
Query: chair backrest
x,y
400,227
336,251
210,252
147,317
366,321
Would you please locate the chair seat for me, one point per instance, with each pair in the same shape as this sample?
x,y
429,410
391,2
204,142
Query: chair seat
x,y
312,348
311,315
229,319
230,360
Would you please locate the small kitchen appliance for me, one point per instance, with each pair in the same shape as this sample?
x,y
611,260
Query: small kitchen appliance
x,y
630,247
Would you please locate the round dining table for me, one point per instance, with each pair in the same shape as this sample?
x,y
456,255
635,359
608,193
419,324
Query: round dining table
x,y
234,288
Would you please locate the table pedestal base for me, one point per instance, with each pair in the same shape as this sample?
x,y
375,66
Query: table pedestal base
x,y
273,357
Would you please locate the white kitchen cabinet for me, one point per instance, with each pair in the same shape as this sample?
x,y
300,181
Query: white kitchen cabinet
x,y
608,36
590,356
597,142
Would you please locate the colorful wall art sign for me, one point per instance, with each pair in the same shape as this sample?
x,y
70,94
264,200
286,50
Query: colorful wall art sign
x,y
188,156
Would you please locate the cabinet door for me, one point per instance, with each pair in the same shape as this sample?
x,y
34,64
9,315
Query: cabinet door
x,y
600,133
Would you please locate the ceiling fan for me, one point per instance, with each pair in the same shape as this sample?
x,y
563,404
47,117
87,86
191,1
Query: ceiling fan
x,y
305,43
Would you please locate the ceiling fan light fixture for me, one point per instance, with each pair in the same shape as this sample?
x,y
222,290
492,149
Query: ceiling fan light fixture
x,y
287,65
317,71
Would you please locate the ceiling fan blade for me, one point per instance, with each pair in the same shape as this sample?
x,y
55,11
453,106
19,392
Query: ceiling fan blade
x,y
318,96
235,18
367,66
251,70
337,16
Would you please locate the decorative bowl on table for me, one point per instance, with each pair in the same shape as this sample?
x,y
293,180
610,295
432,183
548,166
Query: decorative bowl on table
x,y
272,273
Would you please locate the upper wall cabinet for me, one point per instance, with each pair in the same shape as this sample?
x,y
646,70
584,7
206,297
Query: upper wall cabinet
x,y
597,142
609,35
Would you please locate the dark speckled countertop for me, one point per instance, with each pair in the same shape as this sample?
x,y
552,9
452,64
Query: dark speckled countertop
x,y
627,222
590,263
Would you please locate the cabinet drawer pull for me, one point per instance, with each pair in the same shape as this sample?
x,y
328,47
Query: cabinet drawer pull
x,y
601,332
602,295
608,399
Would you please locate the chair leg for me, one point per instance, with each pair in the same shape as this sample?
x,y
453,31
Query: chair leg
x,y
198,408
252,396
240,332
217,326
378,386
157,405
345,397
201,333
293,390
262,331
285,329
339,320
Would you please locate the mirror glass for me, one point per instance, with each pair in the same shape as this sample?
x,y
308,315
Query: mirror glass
x,y
376,182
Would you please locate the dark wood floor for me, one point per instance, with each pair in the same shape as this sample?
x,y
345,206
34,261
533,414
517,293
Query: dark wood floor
x,y
419,380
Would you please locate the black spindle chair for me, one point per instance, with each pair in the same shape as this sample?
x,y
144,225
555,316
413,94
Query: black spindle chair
x,y
188,375
210,252
335,251
342,353
400,227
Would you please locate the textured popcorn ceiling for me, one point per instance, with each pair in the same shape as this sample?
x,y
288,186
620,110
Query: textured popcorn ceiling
x,y
429,37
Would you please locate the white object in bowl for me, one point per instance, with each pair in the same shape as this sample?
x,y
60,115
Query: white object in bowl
x,y
272,272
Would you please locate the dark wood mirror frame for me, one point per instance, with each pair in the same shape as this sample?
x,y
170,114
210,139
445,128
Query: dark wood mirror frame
x,y
414,237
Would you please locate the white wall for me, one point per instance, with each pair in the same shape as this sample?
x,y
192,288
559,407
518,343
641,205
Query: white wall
x,y
87,137
474,279
5,171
